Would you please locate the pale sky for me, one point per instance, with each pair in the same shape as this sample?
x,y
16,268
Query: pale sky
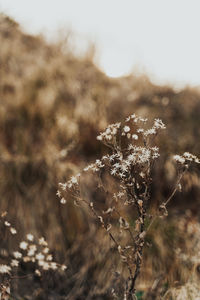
x,y
160,37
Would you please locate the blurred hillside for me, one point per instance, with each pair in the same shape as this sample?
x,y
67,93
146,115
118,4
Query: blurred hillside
x,y
52,105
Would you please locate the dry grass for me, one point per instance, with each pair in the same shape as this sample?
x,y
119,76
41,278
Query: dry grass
x,y
52,105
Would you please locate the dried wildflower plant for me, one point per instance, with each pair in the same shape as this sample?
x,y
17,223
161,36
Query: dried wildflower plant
x,y
129,163
30,250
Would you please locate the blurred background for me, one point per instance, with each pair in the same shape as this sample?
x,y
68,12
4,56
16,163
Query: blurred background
x,y
60,86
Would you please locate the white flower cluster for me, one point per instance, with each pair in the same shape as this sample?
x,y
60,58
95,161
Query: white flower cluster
x,y
72,184
8,224
136,155
69,184
186,158
121,162
5,269
37,253
95,167
109,133
136,119
158,124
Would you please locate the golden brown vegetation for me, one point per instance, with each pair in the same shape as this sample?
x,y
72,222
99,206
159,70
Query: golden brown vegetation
x,y
52,106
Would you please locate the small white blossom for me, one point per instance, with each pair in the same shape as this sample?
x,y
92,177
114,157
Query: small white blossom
x,y
158,124
39,256
38,273
63,267
23,245
150,131
117,165
5,269
30,237
113,172
135,136
42,242
63,186
17,254
53,266
126,129
45,266
13,230
30,252
45,250
6,223
74,180
58,193
26,259
63,201
49,257
33,247
99,138
14,263
179,159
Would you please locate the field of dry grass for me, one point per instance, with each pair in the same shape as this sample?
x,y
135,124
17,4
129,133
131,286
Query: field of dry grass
x,y
52,106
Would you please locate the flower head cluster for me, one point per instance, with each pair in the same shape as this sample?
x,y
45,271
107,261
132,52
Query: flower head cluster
x,y
186,158
7,224
110,133
128,166
37,253
158,124
5,269
135,157
128,157
69,185
95,167
136,119
29,250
